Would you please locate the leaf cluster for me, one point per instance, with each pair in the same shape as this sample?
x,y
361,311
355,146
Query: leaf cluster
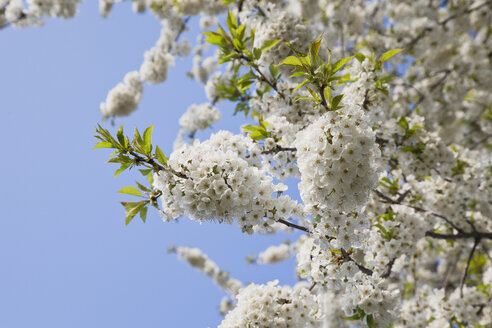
x,y
130,153
319,76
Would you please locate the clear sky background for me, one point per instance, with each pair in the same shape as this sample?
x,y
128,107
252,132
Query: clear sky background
x,y
66,257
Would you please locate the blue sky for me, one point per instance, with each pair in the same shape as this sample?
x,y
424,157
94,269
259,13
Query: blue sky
x,y
66,257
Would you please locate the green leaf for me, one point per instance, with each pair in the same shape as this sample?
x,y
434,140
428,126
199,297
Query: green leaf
x,y
145,172
215,39
104,144
360,57
143,213
138,137
291,61
301,85
130,191
142,187
121,137
150,178
226,58
388,54
122,159
160,156
231,21
296,99
305,61
339,64
121,169
240,31
273,70
252,35
269,44
132,208
327,94
256,132
358,316
469,95
147,138
227,2
314,49
336,101
298,74
386,79
297,51
370,321
403,123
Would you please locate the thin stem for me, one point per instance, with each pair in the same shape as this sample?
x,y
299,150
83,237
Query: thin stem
x,y
262,77
293,225
461,235
362,268
465,273
156,166
277,149
387,272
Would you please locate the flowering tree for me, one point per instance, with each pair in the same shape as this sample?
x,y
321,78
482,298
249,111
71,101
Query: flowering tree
x,y
381,110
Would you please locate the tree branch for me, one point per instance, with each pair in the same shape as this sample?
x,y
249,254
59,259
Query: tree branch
x,y
460,235
465,273
362,268
277,149
293,225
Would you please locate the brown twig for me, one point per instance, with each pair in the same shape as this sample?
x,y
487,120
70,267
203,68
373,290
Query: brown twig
x,y
293,225
387,271
465,273
277,149
362,268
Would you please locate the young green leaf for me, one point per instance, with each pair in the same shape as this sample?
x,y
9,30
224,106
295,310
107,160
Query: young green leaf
x,y
132,208
296,99
142,187
130,191
297,51
231,21
339,64
121,137
143,213
370,321
145,172
273,70
160,156
269,44
138,138
314,49
388,54
121,169
256,132
336,102
215,39
303,83
104,144
147,138
298,74
291,61
360,57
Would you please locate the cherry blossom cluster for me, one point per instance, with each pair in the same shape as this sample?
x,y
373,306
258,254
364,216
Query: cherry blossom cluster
x,y
337,157
218,180
270,305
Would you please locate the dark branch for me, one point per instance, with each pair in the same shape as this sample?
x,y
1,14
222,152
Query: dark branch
x,y
293,225
362,268
277,149
460,235
465,273
386,273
